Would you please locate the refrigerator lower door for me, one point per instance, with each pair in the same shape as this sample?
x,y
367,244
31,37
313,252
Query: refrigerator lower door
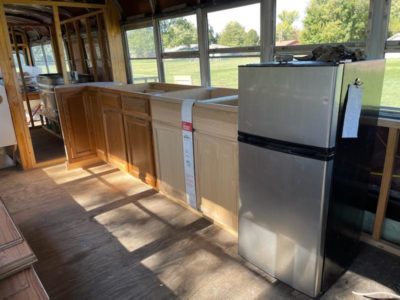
x,y
283,208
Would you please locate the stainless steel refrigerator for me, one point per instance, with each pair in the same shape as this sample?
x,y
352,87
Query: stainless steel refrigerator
x,y
303,180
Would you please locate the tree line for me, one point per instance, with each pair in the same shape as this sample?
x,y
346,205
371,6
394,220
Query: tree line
x,y
181,32
325,21
332,21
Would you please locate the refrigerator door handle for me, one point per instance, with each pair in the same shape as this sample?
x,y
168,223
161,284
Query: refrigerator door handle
x,y
313,152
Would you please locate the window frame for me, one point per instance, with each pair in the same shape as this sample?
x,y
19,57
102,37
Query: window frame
x,y
307,48
42,44
128,59
237,52
267,49
391,47
178,54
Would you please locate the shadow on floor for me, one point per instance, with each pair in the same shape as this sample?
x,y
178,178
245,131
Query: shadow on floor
x,y
100,234
45,145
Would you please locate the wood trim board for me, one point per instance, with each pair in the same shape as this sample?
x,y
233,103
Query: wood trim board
x,y
391,150
15,257
9,234
14,98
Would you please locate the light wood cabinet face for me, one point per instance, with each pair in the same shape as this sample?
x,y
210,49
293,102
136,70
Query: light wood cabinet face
x,y
76,126
138,134
97,121
138,105
111,99
216,163
168,150
115,137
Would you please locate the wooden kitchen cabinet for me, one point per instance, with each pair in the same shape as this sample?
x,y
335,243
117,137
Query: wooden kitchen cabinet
x,y
139,140
76,127
112,124
216,162
95,116
168,151
168,147
114,129
139,137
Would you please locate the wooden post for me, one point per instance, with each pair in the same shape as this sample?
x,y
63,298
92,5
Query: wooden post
x,y
14,98
114,36
93,55
391,150
70,48
57,55
59,43
27,49
102,45
80,46
21,72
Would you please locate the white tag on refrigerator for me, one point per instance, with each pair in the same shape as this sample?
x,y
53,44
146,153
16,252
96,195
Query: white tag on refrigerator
x,y
188,157
352,112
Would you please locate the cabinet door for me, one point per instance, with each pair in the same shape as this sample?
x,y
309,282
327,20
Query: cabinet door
x,y
168,151
216,161
115,140
78,134
140,148
96,118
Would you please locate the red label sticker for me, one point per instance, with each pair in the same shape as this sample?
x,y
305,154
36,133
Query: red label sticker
x,y
187,126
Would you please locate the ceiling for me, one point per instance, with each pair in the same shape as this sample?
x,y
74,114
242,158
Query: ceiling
x,y
35,19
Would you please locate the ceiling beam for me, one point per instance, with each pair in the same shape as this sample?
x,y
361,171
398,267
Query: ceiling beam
x,y
53,3
81,17
153,5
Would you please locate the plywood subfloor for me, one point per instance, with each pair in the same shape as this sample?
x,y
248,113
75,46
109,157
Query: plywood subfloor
x,y
100,234
46,145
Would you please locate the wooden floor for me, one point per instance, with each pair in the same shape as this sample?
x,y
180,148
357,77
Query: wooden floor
x,y
100,234
46,145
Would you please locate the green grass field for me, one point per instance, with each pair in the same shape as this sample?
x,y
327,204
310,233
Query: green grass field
x,y
224,73
391,83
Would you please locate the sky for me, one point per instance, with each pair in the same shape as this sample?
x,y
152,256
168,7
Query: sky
x,y
249,15
299,5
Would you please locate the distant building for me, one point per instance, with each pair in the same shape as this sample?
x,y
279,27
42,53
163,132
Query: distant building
x,y
287,43
395,37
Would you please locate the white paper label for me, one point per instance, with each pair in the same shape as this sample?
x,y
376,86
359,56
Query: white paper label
x,y
188,157
352,112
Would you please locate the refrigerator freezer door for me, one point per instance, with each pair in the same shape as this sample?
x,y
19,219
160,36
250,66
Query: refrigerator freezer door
x,y
283,207
293,104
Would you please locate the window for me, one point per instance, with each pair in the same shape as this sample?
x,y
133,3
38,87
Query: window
x,y
22,59
179,34
142,55
43,57
38,58
49,56
234,39
316,22
182,71
180,50
224,71
391,82
394,21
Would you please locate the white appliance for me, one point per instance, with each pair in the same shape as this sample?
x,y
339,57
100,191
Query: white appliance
x,y
7,133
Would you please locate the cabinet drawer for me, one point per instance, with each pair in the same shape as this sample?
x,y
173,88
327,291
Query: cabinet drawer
x,y
136,104
111,99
